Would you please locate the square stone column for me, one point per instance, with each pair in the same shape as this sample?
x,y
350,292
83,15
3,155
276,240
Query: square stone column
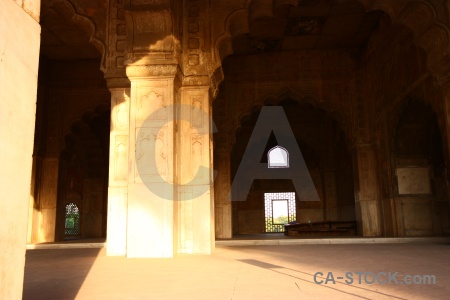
x,y
19,43
167,195
160,200
195,172
116,242
222,187
367,191
151,177
48,200
331,196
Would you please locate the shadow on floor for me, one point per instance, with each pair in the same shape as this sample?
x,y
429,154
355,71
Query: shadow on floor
x,y
56,274
323,277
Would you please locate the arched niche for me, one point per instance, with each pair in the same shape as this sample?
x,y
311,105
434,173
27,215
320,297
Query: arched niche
x,y
278,157
419,178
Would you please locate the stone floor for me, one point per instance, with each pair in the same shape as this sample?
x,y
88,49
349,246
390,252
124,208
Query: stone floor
x,y
241,272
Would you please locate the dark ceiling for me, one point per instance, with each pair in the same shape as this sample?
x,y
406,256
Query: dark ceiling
x,y
62,37
312,24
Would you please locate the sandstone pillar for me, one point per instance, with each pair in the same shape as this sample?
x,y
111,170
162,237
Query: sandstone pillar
x,y
442,81
18,88
48,200
366,191
33,208
116,242
151,185
47,218
222,187
194,172
46,222
160,199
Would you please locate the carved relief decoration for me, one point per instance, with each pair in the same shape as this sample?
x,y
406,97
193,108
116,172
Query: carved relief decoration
x,y
197,46
196,154
196,112
151,22
196,80
149,32
151,153
116,42
121,114
121,158
151,104
152,70
304,26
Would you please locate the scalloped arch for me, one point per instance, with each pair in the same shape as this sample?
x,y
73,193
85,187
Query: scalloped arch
x,y
87,114
85,24
290,93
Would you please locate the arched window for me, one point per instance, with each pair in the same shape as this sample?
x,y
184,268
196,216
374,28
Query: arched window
x,y
72,227
278,157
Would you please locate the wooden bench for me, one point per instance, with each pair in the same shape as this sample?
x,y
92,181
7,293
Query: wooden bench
x,y
323,228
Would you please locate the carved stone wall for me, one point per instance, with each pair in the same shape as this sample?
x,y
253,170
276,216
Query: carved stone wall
x,y
365,94
397,71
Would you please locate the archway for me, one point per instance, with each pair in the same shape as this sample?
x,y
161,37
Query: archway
x,y
83,175
420,183
324,149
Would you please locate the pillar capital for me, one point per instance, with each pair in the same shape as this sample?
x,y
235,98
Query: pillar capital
x,y
208,78
135,72
114,83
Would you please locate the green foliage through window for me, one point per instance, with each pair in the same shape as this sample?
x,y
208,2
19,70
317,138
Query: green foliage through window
x,y
72,224
279,210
